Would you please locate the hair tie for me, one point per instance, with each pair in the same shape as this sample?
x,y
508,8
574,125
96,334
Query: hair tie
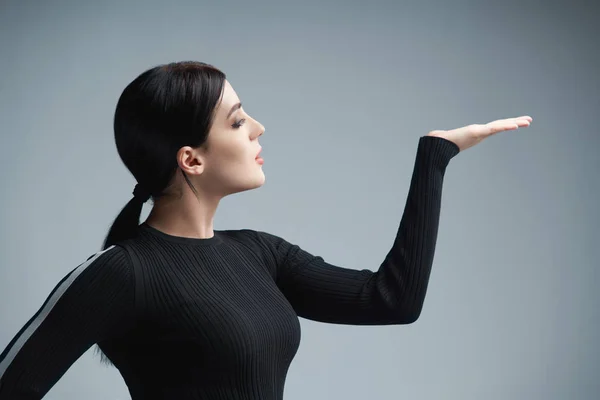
x,y
140,193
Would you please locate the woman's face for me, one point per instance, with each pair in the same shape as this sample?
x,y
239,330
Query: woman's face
x,y
228,164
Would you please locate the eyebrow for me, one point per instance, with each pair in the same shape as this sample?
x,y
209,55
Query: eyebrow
x,y
235,107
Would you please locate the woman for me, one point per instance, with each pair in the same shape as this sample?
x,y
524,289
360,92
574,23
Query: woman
x,y
188,312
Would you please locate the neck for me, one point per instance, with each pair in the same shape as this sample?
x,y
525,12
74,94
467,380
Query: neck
x,y
186,216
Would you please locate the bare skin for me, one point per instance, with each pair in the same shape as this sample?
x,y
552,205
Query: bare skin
x,y
470,135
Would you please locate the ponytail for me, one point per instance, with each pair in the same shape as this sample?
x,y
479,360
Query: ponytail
x,y
126,224
124,227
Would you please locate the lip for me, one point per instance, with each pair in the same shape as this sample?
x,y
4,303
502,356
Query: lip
x,y
258,154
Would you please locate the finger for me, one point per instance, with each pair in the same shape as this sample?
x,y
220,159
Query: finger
x,y
512,123
516,120
522,117
527,117
501,125
522,123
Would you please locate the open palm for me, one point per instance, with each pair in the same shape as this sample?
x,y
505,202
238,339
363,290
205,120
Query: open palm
x,y
470,135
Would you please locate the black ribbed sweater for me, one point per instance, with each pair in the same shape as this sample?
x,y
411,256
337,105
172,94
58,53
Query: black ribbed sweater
x,y
185,318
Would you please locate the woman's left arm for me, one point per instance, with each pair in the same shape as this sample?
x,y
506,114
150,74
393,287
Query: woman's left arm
x,y
395,293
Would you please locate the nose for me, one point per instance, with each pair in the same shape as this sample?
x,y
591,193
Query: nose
x,y
261,129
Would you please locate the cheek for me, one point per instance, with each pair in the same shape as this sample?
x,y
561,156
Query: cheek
x,y
231,155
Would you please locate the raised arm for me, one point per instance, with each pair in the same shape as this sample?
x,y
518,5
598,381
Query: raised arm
x,y
91,303
394,294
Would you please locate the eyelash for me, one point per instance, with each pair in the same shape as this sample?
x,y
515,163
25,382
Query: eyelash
x,y
238,123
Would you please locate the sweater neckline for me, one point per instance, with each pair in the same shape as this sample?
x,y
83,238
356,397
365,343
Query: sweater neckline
x,y
212,241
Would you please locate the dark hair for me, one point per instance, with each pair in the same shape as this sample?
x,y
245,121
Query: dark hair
x,y
163,109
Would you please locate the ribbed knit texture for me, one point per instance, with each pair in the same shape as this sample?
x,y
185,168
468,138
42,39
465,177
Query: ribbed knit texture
x,y
216,319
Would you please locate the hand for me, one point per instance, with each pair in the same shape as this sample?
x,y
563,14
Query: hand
x,y
470,135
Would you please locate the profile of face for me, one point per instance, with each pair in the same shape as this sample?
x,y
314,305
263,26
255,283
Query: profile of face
x,y
227,164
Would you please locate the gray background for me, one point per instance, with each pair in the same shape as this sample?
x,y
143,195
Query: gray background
x,y
345,90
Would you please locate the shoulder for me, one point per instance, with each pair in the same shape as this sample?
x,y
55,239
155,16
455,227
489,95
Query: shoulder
x,y
110,267
103,281
113,258
256,238
271,246
266,248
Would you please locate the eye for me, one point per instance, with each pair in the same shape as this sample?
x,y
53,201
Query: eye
x,y
238,123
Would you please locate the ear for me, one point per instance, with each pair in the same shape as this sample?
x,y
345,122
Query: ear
x,y
191,160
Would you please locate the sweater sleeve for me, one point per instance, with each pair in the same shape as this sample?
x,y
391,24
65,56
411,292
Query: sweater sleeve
x,y
93,302
394,294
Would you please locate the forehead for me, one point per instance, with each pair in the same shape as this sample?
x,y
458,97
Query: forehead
x,y
228,99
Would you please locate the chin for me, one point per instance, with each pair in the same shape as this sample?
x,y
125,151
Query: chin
x,y
252,183
260,181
